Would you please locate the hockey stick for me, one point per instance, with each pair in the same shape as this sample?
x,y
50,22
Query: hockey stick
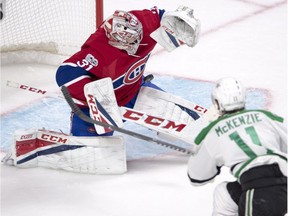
x,y
86,118
31,89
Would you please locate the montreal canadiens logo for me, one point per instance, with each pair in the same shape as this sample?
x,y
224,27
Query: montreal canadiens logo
x,y
135,72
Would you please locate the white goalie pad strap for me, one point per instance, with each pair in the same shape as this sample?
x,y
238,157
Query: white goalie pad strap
x,y
102,104
166,114
93,155
177,28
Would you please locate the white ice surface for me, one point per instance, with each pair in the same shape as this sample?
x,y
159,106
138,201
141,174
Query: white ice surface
x,y
241,38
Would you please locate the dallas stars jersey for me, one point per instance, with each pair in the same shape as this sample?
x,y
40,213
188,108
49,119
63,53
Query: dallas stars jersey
x,y
239,141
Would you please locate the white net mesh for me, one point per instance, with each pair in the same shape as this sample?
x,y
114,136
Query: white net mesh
x,y
53,26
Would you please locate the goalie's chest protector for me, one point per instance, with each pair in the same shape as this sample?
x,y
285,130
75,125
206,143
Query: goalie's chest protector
x,y
125,71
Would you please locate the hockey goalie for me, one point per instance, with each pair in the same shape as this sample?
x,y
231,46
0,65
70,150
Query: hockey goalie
x,y
106,81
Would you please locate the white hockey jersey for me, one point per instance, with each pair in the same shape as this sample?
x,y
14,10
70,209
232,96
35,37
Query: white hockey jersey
x,y
240,141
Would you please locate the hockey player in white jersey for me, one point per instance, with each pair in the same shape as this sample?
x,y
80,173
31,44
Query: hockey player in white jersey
x,y
253,144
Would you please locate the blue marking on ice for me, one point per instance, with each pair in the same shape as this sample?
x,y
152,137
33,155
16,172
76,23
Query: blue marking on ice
x,y
53,113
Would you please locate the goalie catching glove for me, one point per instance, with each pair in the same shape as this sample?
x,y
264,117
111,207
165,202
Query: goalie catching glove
x,y
177,28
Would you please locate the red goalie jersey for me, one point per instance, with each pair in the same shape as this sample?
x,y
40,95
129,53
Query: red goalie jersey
x,y
99,57
119,49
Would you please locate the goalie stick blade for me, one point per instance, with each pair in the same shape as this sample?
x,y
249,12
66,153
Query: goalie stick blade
x,y
86,118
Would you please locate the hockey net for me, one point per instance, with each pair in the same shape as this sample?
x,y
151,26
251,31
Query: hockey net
x,y
46,31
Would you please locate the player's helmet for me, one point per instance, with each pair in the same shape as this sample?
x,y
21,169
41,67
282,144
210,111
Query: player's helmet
x,y
228,95
124,31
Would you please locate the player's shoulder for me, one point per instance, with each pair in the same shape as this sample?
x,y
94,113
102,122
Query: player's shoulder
x,y
153,11
253,113
150,18
271,115
268,114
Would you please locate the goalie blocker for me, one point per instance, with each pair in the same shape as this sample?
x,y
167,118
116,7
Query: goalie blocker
x,y
43,148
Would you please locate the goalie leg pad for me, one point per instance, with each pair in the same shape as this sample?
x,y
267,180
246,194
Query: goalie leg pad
x,y
165,113
168,106
82,128
101,155
93,155
102,104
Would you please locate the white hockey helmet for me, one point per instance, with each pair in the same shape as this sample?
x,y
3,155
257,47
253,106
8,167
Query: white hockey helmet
x,y
228,95
124,31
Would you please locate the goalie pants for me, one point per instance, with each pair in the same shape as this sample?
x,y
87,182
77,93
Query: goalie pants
x,y
263,192
81,128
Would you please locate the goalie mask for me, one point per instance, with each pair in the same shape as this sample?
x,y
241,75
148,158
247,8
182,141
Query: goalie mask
x,y
124,31
228,95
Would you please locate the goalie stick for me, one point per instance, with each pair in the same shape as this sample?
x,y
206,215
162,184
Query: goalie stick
x,y
86,118
28,88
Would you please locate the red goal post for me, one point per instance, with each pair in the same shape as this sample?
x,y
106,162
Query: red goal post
x,y
32,28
